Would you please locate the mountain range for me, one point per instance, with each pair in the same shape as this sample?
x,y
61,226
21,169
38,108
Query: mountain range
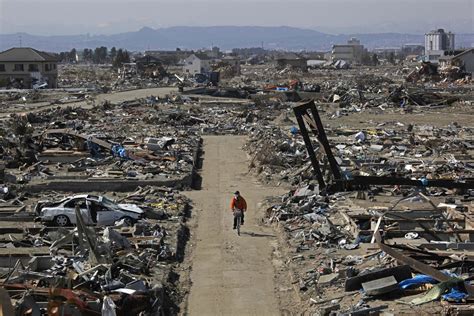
x,y
225,37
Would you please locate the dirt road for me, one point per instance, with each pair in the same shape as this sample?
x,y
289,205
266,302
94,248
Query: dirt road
x,y
230,275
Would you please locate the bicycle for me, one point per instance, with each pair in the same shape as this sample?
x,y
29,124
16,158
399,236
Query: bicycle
x,y
238,216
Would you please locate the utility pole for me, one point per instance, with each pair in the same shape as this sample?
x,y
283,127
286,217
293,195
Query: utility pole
x,y
20,40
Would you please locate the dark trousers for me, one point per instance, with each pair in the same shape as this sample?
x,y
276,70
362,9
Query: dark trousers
x,y
241,219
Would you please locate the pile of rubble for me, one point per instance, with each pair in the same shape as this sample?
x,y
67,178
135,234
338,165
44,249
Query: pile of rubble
x,y
391,221
354,247
428,72
390,148
360,271
274,153
95,77
102,143
105,78
88,270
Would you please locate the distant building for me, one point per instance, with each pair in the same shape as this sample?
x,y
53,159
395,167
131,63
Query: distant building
x,y
351,52
412,49
436,43
25,67
464,60
149,64
387,50
197,64
128,70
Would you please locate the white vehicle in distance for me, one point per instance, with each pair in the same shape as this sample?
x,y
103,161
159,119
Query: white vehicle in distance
x,y
95,210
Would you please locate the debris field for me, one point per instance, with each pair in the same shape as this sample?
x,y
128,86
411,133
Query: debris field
x,y
377,161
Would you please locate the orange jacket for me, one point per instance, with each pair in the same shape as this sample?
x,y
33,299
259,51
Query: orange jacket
x,y
239,203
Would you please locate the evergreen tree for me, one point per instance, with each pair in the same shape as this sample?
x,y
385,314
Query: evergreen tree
x,y
126,57
117,62
87,54
391,58
64,57
113,53
72,55
96,56
102,54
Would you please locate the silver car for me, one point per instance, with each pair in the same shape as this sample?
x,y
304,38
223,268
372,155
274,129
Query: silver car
x,y
95,210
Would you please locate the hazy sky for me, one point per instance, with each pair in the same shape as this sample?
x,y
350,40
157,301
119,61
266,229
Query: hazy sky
x,y
56,17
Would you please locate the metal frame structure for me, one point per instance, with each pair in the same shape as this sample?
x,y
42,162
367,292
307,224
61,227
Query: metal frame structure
x,y
308,117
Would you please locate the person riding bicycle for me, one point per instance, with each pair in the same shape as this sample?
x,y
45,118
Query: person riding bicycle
x,y
238,203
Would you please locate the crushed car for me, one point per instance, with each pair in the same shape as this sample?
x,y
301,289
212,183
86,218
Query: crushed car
x,y
96,210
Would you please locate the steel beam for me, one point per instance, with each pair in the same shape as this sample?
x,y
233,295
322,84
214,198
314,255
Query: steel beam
x,y
309,147
307,113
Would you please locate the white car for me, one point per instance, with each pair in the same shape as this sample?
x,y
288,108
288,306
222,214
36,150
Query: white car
x,y
95,210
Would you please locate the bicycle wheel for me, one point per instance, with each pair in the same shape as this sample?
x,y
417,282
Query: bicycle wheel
x,y
239,218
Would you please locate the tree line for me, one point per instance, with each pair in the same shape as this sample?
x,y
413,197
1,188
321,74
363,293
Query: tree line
x,y
99,55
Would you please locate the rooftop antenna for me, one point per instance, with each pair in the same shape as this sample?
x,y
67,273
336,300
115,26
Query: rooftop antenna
x,y
20,40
